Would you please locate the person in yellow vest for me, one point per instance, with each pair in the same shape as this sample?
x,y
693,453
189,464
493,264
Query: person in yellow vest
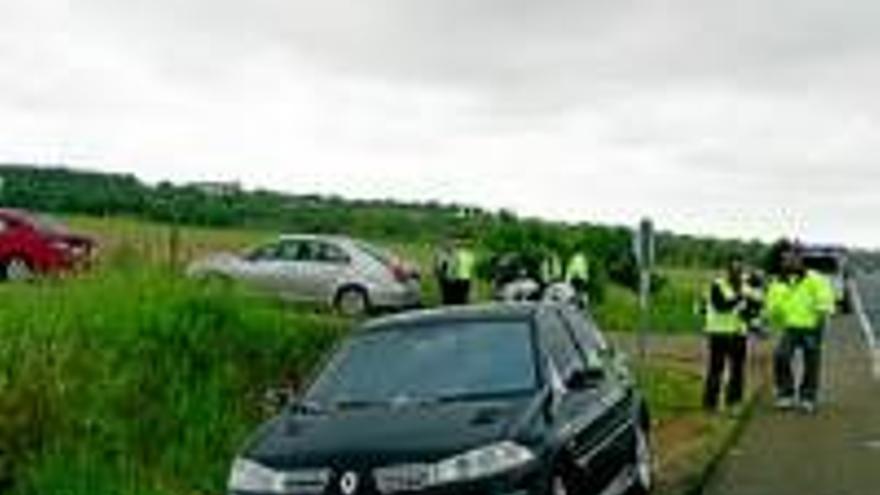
x,y
461,274
577,274
551,269
798,303
443,261
726,330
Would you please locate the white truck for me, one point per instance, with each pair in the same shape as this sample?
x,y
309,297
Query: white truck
x,y
833,263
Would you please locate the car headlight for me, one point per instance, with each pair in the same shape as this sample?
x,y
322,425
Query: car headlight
x,y
482,463
248,476
475,464
252,477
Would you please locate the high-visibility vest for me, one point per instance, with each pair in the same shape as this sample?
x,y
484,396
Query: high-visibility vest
x,y
463,263
551,269
723,322
799,304
578,268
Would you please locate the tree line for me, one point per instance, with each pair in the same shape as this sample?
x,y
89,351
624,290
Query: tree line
x,y
65,190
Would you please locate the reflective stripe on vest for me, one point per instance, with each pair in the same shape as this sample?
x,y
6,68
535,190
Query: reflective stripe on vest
x,y
723,322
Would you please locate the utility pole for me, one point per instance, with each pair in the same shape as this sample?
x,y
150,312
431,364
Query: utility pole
x,y
643,248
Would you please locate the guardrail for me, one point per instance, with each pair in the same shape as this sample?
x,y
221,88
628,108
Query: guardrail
x,y
867,327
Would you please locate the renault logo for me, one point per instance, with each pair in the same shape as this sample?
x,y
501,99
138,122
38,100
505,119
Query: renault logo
x,y
349,483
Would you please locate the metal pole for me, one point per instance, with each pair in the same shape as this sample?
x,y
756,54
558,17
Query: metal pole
x,y
644,313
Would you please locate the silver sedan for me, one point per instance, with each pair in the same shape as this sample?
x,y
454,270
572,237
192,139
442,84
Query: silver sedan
x,y
350,275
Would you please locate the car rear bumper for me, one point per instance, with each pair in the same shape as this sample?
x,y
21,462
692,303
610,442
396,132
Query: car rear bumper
x,y
396,297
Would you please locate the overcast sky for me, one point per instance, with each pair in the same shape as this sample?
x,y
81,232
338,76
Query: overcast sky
x,y
736,118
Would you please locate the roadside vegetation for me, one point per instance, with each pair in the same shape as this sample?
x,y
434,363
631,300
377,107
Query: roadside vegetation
x,y
131,379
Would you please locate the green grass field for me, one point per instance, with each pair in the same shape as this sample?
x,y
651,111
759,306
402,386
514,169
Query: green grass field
x,y
134,380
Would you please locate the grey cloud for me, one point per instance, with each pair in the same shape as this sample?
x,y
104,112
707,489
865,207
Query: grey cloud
x,y
503,46
776,96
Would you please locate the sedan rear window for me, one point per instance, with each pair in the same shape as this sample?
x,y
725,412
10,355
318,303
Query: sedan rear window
x,y
379,254
444,361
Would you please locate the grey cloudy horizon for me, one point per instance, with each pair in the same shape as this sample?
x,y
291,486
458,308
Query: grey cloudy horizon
x,y
736,119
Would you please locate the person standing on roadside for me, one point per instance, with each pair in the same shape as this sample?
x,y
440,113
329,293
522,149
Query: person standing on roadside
x,y
462,271
551,269
577,274
443,261
799,303
726,330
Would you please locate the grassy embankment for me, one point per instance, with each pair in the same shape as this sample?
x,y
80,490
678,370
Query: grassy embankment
x,y
132,380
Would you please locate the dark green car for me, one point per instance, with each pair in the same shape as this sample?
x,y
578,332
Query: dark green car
x,y
522,399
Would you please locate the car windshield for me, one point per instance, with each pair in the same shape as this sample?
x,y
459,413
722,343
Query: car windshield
x,y
823,264
442,361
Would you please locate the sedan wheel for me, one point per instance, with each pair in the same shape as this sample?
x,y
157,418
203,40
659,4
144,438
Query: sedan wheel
x,y
18,269
352,302
644,469
557,486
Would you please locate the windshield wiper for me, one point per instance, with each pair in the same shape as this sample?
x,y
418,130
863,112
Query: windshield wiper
x,y
386,403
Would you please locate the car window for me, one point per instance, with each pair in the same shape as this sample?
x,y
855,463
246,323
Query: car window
x,y
557,343
823,264
448,360
379,254
329,253
264,252
293,250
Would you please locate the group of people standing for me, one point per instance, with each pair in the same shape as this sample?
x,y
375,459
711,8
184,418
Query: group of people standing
x,y
789,300
514,276
793,302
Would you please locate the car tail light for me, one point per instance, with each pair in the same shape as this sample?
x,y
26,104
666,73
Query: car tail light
x,y
72,249
401,274
62,246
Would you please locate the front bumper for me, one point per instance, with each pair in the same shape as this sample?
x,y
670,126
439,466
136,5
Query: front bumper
x,y
531,480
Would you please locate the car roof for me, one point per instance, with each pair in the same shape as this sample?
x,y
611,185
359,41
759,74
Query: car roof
x,y
478,312
16,214
315,237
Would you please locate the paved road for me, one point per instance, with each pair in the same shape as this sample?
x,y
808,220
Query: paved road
x,y
869,288
836,452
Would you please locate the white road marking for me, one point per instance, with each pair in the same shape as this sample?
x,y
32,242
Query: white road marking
x,y
868,328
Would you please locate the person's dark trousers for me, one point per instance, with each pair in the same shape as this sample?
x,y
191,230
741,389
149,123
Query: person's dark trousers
x,y
447,290
725,352
460,291
809,342
580,288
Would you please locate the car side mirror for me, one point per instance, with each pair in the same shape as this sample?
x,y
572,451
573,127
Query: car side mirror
x,y
584,378
276,399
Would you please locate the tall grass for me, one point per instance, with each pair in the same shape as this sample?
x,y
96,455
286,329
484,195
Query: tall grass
x,y
672,310
134,381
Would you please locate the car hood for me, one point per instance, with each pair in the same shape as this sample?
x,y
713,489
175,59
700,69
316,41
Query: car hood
x,y
381,436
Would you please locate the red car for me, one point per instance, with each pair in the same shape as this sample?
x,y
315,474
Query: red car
x,y
32,244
